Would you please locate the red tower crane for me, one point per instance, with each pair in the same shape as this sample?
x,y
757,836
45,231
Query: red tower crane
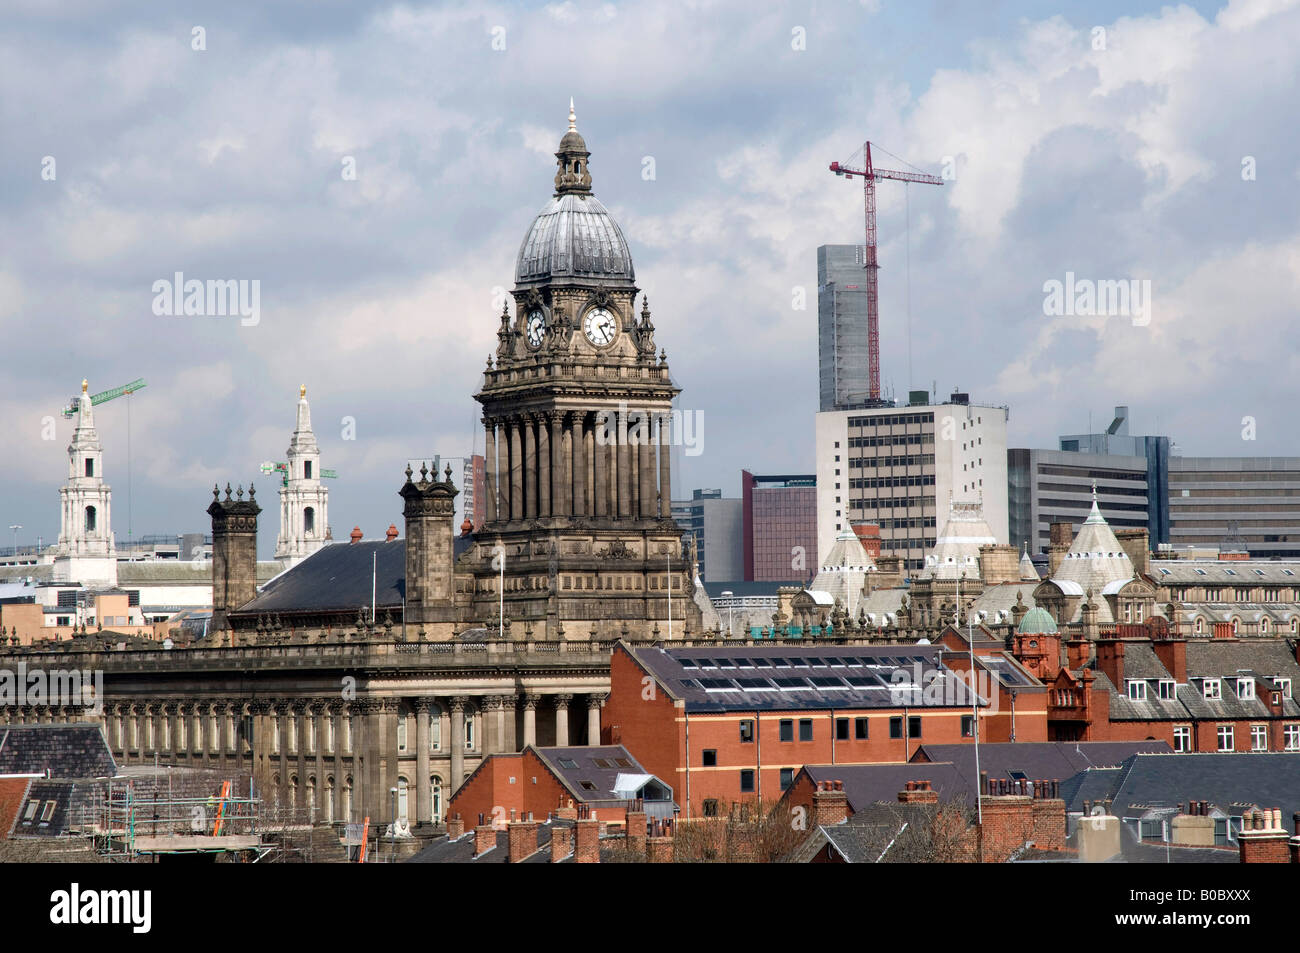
x,y
869,176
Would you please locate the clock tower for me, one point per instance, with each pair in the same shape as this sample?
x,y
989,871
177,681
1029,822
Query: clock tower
x,y
577,411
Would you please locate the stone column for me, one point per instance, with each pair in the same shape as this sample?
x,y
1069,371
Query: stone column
x,y
424,789
559,464
624,470
530,467
562,719
530,720
490,468
600,466
591,466
665,476
645,467
593,719
457,707
494,725
544,465
577,432
516,469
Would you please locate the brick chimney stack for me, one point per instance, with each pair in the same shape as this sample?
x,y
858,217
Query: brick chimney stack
x,y
1263,839
587,850
523,840
234,553
455,826
918,792
830,804
659,845
636,826
1110,660
485,838
561,842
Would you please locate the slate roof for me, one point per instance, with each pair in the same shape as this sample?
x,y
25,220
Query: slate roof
x,y
1264,779
1037,760
867,784
51,812
869,836
61,751
788,677
1246,572
590,773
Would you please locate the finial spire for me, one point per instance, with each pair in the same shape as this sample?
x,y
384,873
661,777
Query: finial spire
x,y
302,391
573,117
84,384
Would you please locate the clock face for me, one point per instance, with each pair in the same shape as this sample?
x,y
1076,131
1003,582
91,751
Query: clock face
x,y
536,326
599,327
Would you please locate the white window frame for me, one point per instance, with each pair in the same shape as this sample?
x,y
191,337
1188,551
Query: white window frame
x,y
1246,689
1137,689
1284,685
1291,737
1182,738
1227,732
1167,689
1258,734
1212,689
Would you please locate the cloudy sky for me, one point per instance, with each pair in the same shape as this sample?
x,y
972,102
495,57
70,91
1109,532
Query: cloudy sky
x,y
1116,141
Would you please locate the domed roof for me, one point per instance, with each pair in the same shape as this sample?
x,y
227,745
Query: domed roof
x,y
1096,559
957,547
1037,621
573,236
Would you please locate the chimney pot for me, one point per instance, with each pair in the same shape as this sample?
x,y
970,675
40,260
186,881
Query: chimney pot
x,y
355,536
392,532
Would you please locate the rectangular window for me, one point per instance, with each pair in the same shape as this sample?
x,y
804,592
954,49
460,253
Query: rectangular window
x,y
1258,737
747,730
1226,742
968,726
1137,690
1284,684
914,726
710,758
401,733
896,727
306,467
1291,737
747,780
1168,689
32,808
805,729
860,728
710,807
1182,737
1211,688
1245,688
841,729
787,777
48,811
787,730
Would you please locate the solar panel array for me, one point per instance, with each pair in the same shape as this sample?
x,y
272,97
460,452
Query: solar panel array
x,y
803,673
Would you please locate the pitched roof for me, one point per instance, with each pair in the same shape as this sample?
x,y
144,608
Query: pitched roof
x,y
866,784
591,774
1228,781
62,751
13,795
787,677
1036,760
445,850
338,577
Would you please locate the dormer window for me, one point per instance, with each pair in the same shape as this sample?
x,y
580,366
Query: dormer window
x,y
1284,686
1246,689
1168,689
1137,690
1211,688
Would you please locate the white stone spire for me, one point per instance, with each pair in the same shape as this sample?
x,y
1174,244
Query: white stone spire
x,y
86,551
304,501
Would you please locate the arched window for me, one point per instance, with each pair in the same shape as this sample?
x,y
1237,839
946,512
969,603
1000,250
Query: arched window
x,y
469,730
1200,625
435,784
1295,625
1263,625
402,790
311,799
347,798
90,519
309,520
329,800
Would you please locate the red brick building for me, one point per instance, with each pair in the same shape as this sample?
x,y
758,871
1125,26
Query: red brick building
x,y
736,723
539,781
1219,694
